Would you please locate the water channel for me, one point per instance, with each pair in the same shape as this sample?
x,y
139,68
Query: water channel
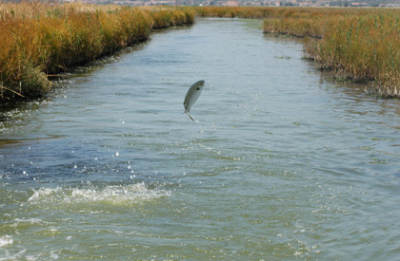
x,y
282,163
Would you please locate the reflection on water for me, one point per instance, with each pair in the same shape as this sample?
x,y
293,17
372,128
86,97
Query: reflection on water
x,y
283,163
6,141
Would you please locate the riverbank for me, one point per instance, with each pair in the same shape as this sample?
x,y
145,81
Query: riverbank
x,y
41,40
355,43
361,45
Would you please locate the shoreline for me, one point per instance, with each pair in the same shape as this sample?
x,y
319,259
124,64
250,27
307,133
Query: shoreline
x,y
56,39
359,44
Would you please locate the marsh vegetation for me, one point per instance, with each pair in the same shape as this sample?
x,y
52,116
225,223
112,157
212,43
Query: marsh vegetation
x,y
39,40
355,43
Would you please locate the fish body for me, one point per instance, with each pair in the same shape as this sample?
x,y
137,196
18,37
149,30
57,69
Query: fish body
x,y
192,95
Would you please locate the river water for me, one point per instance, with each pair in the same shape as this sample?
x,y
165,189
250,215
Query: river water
x,y
281,163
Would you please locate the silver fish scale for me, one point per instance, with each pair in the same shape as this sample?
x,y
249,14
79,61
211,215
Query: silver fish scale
x,y
192,95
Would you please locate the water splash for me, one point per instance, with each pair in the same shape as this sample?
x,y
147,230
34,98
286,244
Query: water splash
x,y
6,240
115,195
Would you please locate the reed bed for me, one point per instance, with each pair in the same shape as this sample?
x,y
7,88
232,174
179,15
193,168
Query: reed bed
x,y
358,44
274,12
364,48
39,40
362,44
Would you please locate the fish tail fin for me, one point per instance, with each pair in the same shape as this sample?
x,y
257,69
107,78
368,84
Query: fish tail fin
x,y
190,116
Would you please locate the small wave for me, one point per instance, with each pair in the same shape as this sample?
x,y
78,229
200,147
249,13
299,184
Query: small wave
x,y
30,221
17,256
123,194
6,240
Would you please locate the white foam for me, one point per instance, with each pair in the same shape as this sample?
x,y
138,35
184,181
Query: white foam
x,y
134,193
53,255
29,220
43,193
6,240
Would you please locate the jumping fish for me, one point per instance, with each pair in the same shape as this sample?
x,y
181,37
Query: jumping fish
x,y
191,96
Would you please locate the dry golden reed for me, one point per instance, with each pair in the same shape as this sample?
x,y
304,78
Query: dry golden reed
x,y
41,39
362,44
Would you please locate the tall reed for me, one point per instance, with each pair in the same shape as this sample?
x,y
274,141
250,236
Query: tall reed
x,y
360,44
41,39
